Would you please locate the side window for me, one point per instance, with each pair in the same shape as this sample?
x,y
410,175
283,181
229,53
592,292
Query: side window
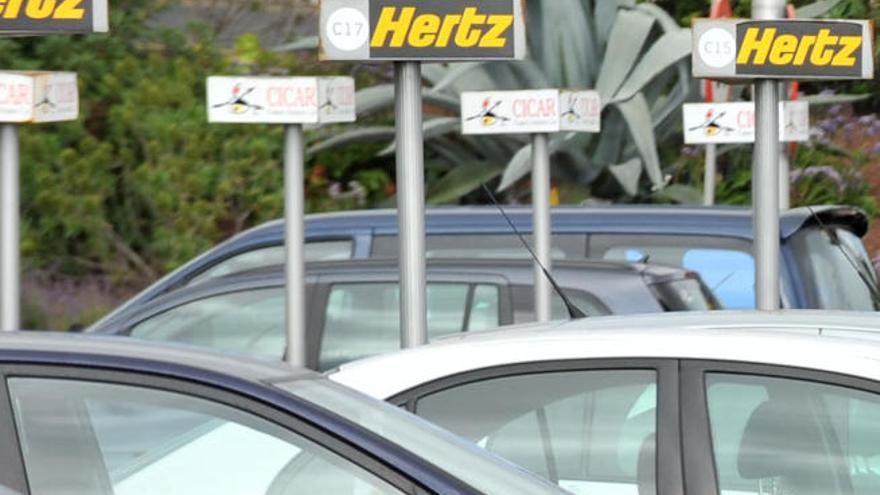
x,y
274,255
524,304
247,322
106,439
779,435
587,431
363,319
483,245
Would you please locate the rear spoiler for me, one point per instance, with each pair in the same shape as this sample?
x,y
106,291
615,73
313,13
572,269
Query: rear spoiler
x,y
853,219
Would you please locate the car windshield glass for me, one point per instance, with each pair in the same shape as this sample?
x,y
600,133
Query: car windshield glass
x,y
274,255
830,269
461,459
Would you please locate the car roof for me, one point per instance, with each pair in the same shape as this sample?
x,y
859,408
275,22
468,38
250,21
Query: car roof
x,y
78,348
720,220
841,342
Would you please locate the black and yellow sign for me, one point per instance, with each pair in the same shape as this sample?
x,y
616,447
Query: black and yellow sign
x,y
783,49
32,17
422,30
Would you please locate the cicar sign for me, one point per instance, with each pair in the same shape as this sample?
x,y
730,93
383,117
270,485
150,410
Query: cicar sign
x,y
531,111
34,17
36,97
280,100
422,30
783,49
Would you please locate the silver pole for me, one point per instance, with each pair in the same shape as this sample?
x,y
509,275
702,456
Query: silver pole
x,y
765,176
294,244
411,203
784,164
10,266
541,224
709,175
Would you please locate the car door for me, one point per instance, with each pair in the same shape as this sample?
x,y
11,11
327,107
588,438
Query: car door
x,y
85,431
591,426
776,430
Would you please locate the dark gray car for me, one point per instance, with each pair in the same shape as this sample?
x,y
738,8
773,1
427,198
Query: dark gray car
x,y
354,308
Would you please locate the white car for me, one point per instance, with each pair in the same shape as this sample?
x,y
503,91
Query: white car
x,y
701,403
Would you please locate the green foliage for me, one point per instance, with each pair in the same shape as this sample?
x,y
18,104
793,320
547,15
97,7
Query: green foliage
x,y
141,183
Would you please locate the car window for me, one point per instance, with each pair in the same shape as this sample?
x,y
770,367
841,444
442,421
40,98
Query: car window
x,y
725,265
587,431
780,435
686,294
363,319
831,276
108,439
275,255
524,304
247,322
564,246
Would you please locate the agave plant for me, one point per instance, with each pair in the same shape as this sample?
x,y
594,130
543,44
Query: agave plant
x,y
635,55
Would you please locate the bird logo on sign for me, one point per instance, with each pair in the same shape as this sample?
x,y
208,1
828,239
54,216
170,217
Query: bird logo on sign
x,y
237,102
571,114
711,126
487,113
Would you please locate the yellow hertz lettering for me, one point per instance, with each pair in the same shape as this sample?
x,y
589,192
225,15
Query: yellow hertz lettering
x,y
470,29
762,46
42,9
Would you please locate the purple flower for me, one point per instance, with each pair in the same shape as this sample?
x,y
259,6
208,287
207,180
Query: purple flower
x,y
828,126
850,127
875,150
868,119
817,170
835,109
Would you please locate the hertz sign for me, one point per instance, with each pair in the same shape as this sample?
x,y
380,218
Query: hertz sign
x,y
36,17
422,30
783,49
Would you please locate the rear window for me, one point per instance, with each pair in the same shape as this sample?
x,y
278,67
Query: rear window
x,y
524,304
725,265
830,266
564,246
686,294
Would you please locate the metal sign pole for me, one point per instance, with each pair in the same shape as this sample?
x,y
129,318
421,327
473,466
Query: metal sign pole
x,y
784,164
541,224
10,267
411,203
766,176
709,175
294,244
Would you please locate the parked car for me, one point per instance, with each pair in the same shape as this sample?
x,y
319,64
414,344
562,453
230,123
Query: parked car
x,y
110,417
820,269
354,305
708,403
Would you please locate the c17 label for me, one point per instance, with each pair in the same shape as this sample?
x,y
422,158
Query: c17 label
x,y
53,16
784,49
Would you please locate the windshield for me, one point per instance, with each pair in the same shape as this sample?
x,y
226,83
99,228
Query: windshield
x,y
836,270
461,459
686,294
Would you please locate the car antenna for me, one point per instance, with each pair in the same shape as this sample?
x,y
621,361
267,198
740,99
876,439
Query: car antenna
x,y
848,255
573,311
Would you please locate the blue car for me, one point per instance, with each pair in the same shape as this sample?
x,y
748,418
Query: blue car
x,y
824,266
89,416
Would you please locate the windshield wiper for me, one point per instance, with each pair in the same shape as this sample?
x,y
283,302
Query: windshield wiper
x,y
860,269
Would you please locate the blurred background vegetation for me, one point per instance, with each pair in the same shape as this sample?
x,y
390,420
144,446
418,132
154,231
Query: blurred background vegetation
x,y
141,183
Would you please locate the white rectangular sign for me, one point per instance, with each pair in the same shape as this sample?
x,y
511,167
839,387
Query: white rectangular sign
x,y
717,123
529,112
35,97
280,100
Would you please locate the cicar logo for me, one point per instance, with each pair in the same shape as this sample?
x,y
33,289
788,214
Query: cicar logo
x,y
488,115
